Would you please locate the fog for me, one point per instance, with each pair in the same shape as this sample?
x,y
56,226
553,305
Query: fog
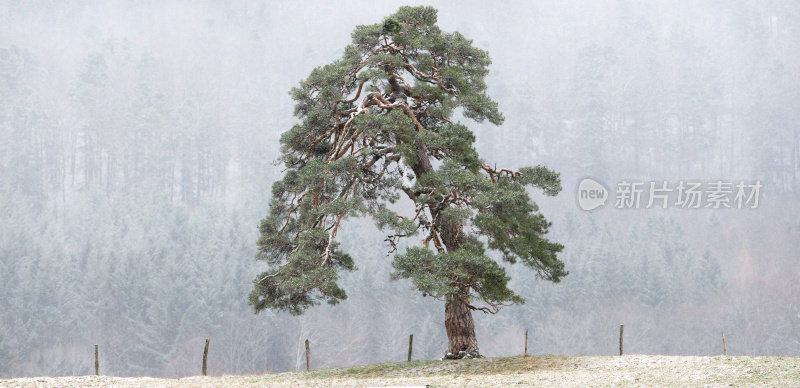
x,y
138,143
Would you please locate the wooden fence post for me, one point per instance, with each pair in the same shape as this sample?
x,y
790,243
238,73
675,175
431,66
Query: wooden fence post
x,y
526,342
96,362
724,346
410,345
205,358
621,330
308,357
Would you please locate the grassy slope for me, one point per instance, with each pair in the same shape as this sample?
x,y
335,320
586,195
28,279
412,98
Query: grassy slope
x,y
488,365
554,371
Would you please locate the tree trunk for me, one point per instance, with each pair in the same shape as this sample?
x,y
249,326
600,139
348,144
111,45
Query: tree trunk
x,y
461,339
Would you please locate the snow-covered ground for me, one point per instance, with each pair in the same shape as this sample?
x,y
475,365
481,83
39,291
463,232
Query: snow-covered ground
x,y
629,370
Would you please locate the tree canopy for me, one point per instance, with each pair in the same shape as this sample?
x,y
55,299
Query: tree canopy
x,y
376,125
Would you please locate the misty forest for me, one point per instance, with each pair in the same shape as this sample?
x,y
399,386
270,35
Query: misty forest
x,y
141,143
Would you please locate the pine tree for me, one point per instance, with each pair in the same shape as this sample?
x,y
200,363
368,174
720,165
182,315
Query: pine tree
x,y
377,125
